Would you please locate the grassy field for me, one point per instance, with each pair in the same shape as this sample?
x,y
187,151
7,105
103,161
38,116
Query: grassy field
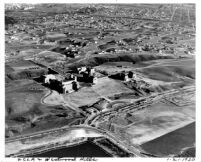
x,y
115,67
109,87
22,69
161,129
48,57
25,74
85,96
21,64
125,57
89,95
25,113
21,98
172,143
169,70
159,119
160,74
53,98
25,50
154,121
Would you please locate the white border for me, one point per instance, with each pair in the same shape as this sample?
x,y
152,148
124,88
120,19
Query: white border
x,y
198,67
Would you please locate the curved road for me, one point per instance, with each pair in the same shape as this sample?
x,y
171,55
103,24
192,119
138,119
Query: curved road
x,y
129,148
106,134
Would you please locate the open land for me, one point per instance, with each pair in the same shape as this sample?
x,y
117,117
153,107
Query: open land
x,y
119,75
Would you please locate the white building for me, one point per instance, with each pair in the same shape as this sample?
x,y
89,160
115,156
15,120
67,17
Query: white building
x,y
92,72
95,80
134,76
126,79
75,79
68,86
82,69
48,77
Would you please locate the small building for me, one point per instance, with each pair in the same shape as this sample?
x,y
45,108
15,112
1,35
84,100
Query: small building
x,y
82,69
67,87
48,77
127,79
130,76
70,86
86,74
95,80
92,72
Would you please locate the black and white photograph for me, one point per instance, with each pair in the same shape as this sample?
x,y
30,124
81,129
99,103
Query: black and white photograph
x,y
99,80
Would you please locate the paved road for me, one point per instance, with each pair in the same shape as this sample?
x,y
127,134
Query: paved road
x,y
142,104
85,127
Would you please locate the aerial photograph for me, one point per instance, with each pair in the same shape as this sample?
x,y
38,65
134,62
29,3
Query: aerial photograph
x,y
100,80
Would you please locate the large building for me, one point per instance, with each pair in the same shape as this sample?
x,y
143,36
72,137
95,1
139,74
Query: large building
x,y
59,83
87,75
63,85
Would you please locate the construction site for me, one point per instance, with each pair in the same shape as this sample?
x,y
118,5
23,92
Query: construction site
x,y
116,79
